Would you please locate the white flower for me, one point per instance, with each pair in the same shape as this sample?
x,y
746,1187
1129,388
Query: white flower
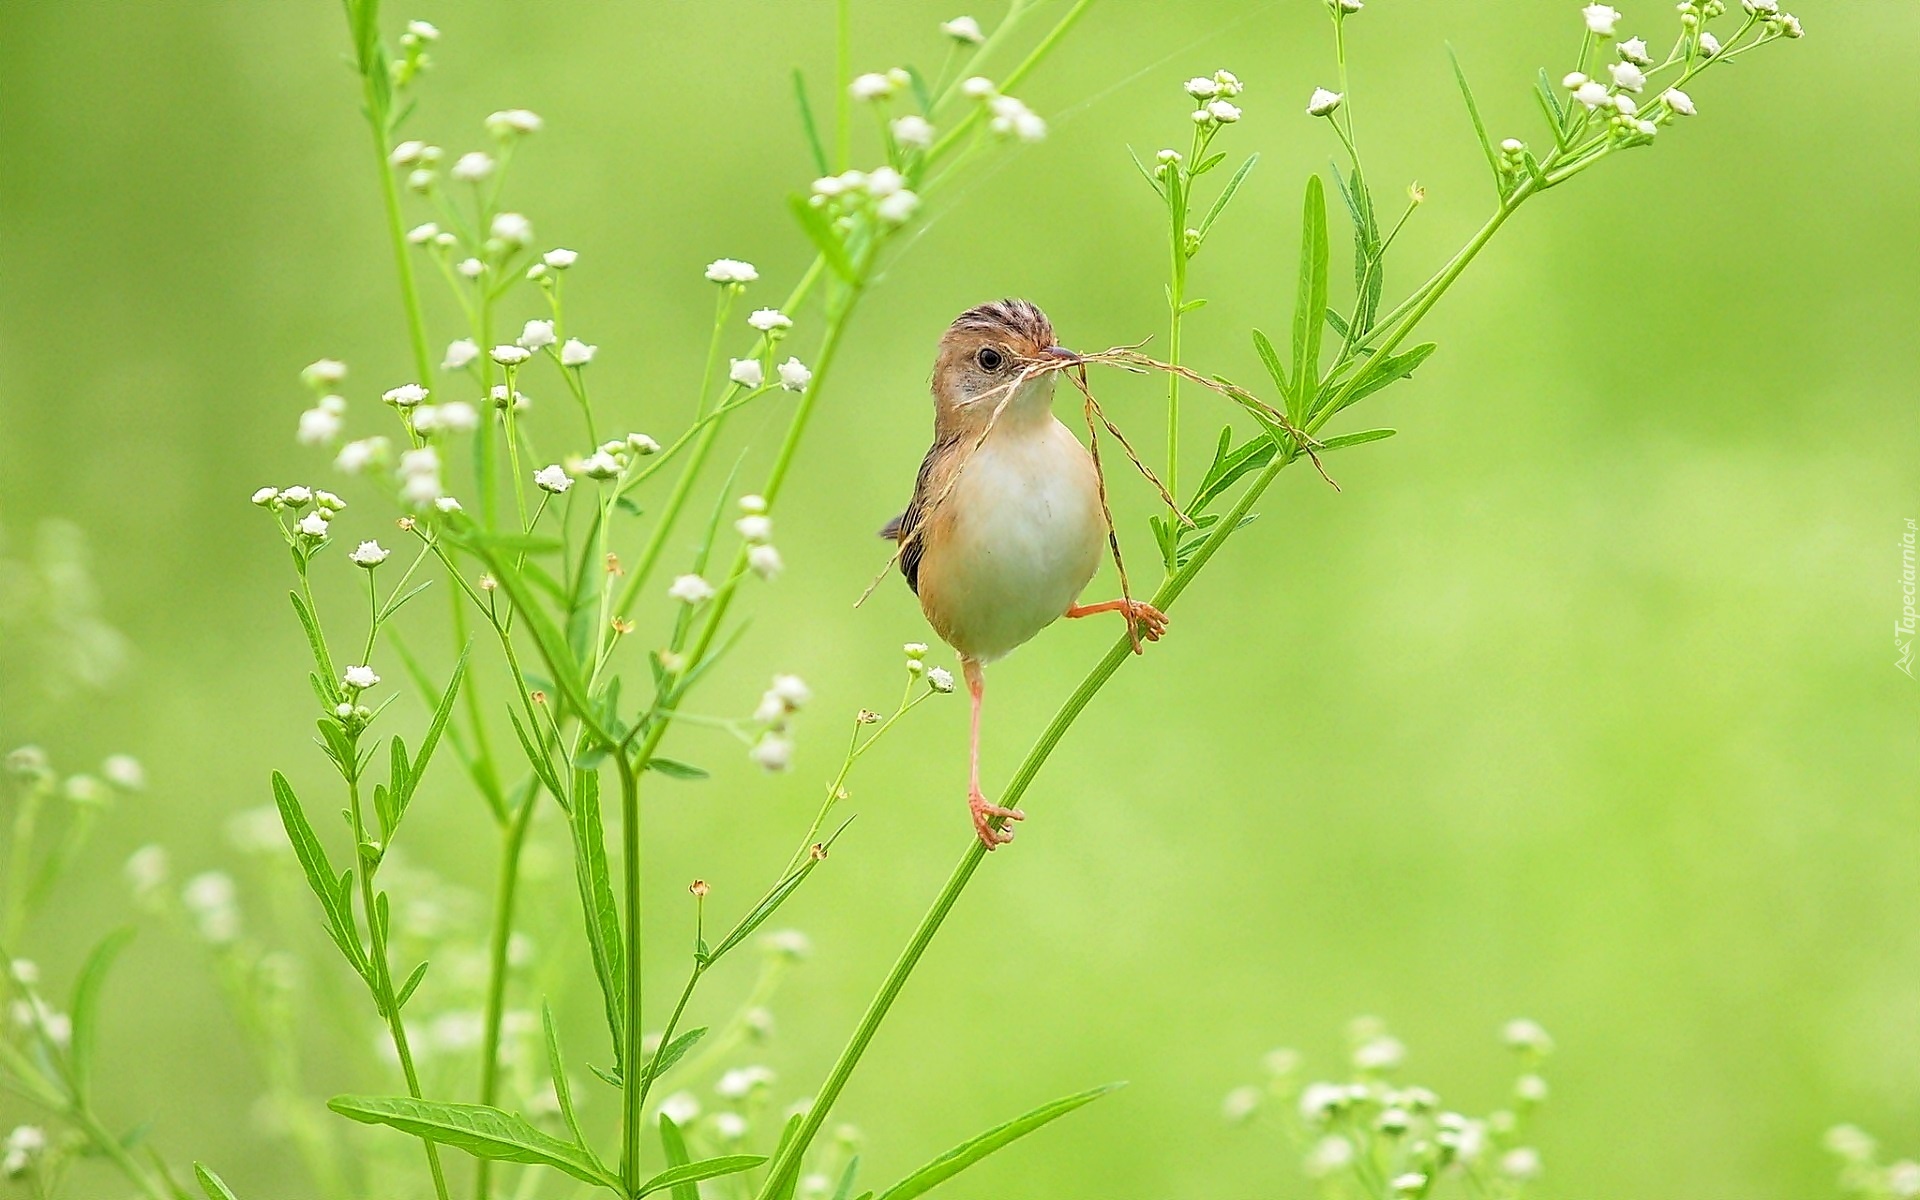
x,y
1523,1034
422,461
1014,117
915,650
691,589
459,355
510,356
1522,1162
1709,44
521,401
356,456
1379,1054
1224,112
884,181
747,372
1592,93
755,527
871,87
1168,156
318,427
794,375
642,445
552,478
1409,1184
1239,1104
600,465
1679,102
764,561
1645,128
369,554
940,679
792,691
457,416
729,1127
1323,102
576,353
422,180
406,153
124,772
324,372
1320,1099
424,30
913,132
895,209
1328,1155
731,270
507,122
297,496
1761,7
472,167
1600,19
979,87
753,504
1228,82
560,259
146,869
313,525
740,1082
1903,1179
1530,1088
766,320
963,29
265,496
1627,75
512,228
1573,80
772,752
1202,88
208,891
405,396
359,678
1625,105
681,1108
1634,50
446,504
537,335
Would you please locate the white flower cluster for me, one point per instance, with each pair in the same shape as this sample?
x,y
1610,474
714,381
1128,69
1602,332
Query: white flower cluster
x,y
756,529
883,189
24,1146
355,457
938,678
1214,95
773,749
211,899
311,526
1007,116
732,271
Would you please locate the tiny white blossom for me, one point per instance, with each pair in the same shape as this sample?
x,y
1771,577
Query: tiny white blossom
x,y
356,456
766,320
297,496
794,375
681,1108
560,259
884,181
359,678
457,416
552,478
870,87
979,87
406,153
424,30
576,353
265,496
318,427
600,465
1709,44
471,268
915,649
1202,88
753,504
472,167
446,504
509,355
747,372
422,180
772,752
1601,19
405,396
508,122
791,690
755,527
324,372
313,525
537,335
1228,82
963,29
642,445
1627,75
124,772
1592,93
1239,1104
1522,1162
1634,50
764,561
940,679
1679,102
729,1126
731,270
1625,105
1409,1184
1224,112
740,1082
913,132
897,208
146,869
1573,80
1323,102
691,589
369,554
512,228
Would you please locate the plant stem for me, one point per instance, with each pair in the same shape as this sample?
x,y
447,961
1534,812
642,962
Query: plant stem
x,y
378,118
632,1093
109,1145
510,848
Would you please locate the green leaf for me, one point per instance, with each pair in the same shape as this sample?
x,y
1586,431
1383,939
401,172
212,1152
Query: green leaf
x,y
1257,453
478,1129
518,543
537,759
559,658
215,1187
820,231
1550,106
783,1187
1479,126
673,768
1356,439
807,126
85,1010
693,1172
845,1190
441,715
1271,357
671,1053
1336,322
1144,173
766,908
319,872
1379,372
972,1151
1311,301
317,642
1209,163
1226,194
406,990
596,900
675,1147
556,1064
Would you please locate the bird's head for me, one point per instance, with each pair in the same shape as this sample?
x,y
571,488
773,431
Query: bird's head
x,y
989,353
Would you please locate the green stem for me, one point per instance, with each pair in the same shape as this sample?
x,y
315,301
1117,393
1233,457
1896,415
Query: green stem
x,y
633,1093
510,848
109,1145
378,120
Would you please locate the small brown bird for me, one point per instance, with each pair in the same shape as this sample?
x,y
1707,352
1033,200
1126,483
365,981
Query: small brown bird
x,y
1006,525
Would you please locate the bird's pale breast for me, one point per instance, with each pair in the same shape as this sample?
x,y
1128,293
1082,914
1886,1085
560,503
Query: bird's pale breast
x,y
1015,543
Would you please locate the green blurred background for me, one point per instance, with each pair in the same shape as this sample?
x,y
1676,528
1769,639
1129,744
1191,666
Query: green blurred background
x,y
1577,702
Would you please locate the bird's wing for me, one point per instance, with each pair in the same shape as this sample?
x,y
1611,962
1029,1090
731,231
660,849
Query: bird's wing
x,y
905,528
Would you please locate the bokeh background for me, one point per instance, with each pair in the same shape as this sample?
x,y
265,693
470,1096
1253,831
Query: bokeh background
x,y
1577,702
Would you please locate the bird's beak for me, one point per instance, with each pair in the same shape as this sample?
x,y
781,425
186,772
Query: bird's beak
x,y
1062,352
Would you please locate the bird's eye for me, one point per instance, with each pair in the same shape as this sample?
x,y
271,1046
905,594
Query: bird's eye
x,y
989,359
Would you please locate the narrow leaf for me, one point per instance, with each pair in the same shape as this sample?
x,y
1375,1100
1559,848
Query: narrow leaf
x,y
406,989
441,715
693,1172
1479,126
807,126
317,642
1356,439
1226,194
672,1052
1311,301
215,1187
1379,372
478,1129
675,1147
1271,358
673,768
319,872
820,231
557,1066
85,1010
596,899
972,1151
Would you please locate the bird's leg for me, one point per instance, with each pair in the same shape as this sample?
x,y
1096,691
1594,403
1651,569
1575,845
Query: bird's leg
x,y
983,812
1150,621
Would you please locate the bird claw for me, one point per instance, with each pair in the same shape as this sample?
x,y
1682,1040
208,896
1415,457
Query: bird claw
x,y
984,813
1148,620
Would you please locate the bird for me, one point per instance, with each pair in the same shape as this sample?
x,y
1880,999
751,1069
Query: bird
x,y
1007,523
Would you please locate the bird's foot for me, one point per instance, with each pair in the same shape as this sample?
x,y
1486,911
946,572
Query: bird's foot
x,y
984,813
1150,621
